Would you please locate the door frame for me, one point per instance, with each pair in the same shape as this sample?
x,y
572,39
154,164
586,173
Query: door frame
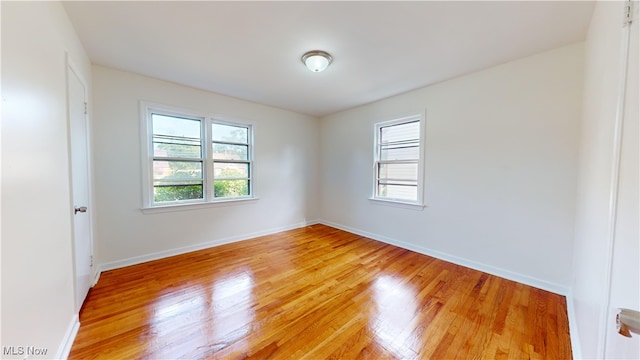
x,y
606,312
72,70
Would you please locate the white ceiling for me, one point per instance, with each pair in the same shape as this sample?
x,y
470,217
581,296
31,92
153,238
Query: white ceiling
x,y
252,50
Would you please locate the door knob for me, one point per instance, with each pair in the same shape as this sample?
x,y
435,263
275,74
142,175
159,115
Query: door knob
x,y
82,209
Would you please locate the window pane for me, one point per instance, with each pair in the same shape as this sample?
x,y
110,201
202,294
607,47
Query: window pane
x,y
230,170
401,192
163,193
176,137
176,170
400,152
398,171
230,188
230,133
400,133
230,152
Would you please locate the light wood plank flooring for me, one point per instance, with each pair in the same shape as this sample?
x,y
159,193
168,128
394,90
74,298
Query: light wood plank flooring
x,y
316,293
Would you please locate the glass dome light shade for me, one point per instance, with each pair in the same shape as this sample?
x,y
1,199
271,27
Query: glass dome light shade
x,y
316,61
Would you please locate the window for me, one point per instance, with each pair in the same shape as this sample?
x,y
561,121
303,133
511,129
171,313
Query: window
x,y
178,158
231,165
397,160
193,159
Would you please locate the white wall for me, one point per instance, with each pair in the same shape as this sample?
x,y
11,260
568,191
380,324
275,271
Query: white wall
x,y
500,169
286,168
592,224
37,262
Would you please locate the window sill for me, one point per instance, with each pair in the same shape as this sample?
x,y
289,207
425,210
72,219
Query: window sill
x,y
195,206
398,204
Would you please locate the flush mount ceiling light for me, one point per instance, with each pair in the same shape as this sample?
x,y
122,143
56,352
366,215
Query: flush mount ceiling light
x,y
316,60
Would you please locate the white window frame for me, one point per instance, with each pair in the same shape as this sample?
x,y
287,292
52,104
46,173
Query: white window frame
x,y
206,121
419,202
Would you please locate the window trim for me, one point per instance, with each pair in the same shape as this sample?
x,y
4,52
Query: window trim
x,y
147,156
402,203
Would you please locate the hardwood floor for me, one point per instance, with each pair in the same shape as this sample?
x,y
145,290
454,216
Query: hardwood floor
x,y
316,293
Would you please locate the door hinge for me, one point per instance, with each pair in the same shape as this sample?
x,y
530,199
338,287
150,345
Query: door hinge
x,y
628,13
91,257
85,108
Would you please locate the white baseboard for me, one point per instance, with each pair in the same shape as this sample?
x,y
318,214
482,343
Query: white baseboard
x,y
69,336
186,249
573,326
510,275
96,276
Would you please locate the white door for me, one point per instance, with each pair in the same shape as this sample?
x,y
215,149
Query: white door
x,y
80,186
625,271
